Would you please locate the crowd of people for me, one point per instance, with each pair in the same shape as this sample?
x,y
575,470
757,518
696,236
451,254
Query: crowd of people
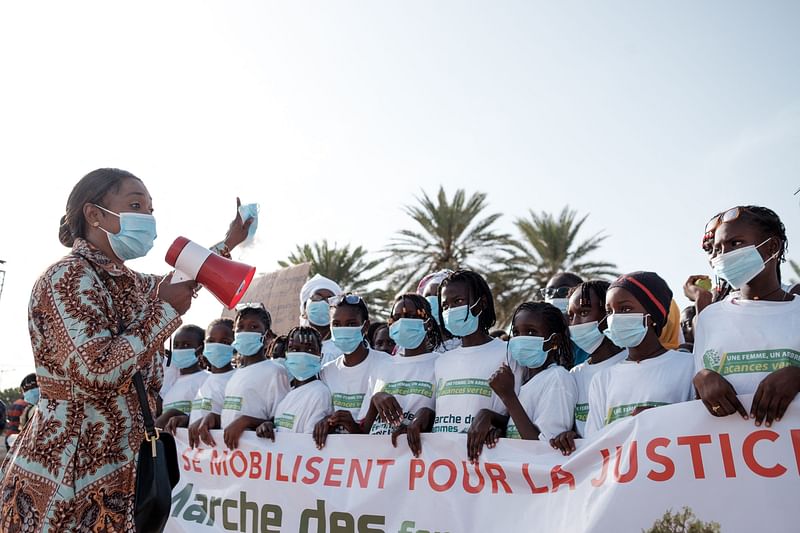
x,y
586,354
582,355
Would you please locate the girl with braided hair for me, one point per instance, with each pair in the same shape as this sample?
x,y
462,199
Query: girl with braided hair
x,y
309,401
587,320
402,388
750,341
545,404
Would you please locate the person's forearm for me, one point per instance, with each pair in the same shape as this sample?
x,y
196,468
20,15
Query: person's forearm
x,y
527,429
424,418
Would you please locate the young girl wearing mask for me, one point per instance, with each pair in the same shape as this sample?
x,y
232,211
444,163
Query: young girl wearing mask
x,y
465,403
402,389
750,341
210,396
309,400
545,404
637,305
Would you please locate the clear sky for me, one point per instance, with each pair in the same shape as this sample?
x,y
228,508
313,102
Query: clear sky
x,y
649,116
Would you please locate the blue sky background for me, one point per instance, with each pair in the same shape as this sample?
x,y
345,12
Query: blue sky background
x,y
648,116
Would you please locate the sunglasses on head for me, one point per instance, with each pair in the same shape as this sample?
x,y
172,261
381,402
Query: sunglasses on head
x,y
554,292
250,305
350,299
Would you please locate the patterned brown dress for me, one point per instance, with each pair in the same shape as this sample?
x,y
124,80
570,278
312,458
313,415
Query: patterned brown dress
x,y
93,324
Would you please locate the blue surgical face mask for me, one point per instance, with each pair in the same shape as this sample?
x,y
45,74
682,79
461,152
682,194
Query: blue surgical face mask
x,y
434,301
31,396
347,339
137,231
318,313
460,321
248,343
587,337
626,330
528,351
184,357
218,354
738,267
560,303
408,333
302,365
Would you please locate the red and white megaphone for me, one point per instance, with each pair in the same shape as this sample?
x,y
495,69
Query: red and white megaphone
x,y
227,280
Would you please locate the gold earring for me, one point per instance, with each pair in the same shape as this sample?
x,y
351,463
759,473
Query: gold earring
x,y
96,224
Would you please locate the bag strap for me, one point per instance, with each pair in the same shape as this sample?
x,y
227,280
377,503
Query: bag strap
x,y
147,416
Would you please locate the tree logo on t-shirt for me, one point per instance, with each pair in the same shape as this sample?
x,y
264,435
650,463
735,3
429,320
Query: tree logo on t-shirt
x,y
712,360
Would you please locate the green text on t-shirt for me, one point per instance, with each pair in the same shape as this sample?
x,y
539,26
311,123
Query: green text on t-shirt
x,y
475,386
404,388
232,403
621,411
750,362
201,404
347,401
582,411
286,420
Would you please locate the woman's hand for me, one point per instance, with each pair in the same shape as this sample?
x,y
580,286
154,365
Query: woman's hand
x,y
718,394
345,420
176,422
388,408
204,431
502,381
266,431
233,431
237,231
321,431
178,295
477,434
774,394
565,442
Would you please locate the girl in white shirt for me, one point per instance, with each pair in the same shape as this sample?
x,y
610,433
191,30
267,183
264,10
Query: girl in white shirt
x,y
465,403
638,306
218,352
187,345
749,342
254,390
348,375
402,389
309,400
545,404
586,314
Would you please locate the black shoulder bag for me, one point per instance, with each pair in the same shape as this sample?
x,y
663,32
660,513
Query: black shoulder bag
x,y
157,471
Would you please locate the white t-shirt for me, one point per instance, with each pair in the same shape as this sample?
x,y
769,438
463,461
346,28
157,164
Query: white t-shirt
x,y
619,389
303,407
183,391
462,385
255,390
746,340
410,380
210,396
171,374
329,352
584,373
350,384
548,399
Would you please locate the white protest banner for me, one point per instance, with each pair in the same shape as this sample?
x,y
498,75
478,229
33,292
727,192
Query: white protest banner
x,y
728,471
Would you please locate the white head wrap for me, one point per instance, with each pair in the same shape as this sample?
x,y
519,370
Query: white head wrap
x,y
316,283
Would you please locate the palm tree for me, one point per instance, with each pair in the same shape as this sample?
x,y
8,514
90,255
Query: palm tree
x,y
350,268
549,245
449,233
795,271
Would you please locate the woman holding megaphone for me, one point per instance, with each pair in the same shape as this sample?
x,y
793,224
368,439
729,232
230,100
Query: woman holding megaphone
x,y
94,323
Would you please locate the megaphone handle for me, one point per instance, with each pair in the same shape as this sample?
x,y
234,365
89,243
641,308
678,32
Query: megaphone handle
x,y
180,277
